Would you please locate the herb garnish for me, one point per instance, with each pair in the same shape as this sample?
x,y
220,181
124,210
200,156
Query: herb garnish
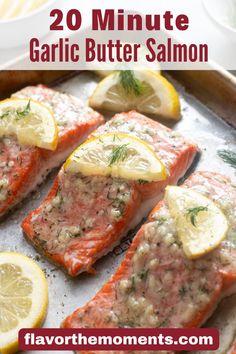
x,y
132,286
182,291
142,181
143,274
25,112
130,83
119,153
160,221
19,114
204,289
228,156
115,137
5,114
193,212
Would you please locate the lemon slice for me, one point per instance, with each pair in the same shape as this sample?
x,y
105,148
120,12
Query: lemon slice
x,y
23,298
157,96
30,121
201,225
117,155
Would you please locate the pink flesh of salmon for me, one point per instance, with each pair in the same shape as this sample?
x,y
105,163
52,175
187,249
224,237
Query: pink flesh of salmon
x,y
83,218
156,285
23,167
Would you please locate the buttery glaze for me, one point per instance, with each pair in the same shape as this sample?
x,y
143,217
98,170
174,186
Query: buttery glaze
x,y
83,218
23,167
156,285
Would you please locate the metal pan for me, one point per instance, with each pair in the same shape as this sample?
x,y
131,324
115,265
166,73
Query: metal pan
x,y
205,114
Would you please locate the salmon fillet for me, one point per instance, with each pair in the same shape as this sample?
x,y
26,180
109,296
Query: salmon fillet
x,y
23,167
83,218
156,285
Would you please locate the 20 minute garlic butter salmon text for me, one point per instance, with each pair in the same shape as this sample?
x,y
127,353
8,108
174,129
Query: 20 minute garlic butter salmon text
x,y
94,47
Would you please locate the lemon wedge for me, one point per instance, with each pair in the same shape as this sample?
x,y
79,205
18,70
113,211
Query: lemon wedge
x,y
145,91
200,224
23,298
117,155
30,121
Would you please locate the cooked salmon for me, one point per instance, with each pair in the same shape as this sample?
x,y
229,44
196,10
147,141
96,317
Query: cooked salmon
x,y
156,285
83,218
23,167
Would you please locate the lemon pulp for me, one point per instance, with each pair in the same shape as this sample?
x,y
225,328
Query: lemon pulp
x,y
117,155
200,224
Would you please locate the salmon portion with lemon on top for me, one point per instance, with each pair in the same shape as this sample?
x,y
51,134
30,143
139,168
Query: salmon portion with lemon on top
x,y
22,167
85,216
157,285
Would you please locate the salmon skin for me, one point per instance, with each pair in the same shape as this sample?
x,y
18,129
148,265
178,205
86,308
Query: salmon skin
x,y
83,218
23,167
156,285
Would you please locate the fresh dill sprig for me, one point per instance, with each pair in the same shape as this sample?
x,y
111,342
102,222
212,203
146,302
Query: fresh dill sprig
x,y
5,114
204,289
193,212
25,112
143,274
17,114
130,83
142,181
228,156
119,153
115,137
132,285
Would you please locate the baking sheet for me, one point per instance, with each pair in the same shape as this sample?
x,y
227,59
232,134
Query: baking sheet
x,y
66,294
